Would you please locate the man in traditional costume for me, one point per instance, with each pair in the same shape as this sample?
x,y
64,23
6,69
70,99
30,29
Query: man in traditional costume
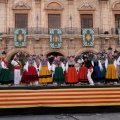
x,y
17,69
45,72
58,69
71,73
111,69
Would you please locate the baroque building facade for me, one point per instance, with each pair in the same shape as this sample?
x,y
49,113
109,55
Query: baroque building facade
x,y
37,16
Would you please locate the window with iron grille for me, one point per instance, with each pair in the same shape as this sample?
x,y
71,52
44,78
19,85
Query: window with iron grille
x,y
86,20
117,20
21,20
54,21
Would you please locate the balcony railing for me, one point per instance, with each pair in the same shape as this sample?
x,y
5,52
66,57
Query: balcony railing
x,y
40,30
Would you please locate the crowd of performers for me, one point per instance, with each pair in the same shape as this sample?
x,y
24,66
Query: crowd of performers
x,y
72,70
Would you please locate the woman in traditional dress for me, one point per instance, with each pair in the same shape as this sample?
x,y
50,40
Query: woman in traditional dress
x,y
23,79
90,71
5,75
58,69
97,70
82,74
111,69
30,75
45,72
71,73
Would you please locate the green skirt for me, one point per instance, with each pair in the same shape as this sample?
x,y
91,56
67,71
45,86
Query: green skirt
x,y
58,75
5,76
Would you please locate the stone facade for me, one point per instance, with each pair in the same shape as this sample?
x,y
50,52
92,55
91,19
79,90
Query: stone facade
x,y
103,18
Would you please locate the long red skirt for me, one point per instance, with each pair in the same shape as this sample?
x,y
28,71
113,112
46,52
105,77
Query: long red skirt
x,y
82,75
30,75
71,75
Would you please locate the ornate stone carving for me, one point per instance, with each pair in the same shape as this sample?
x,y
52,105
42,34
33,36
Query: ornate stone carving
x,y
86,6
21,6
116,6
54,6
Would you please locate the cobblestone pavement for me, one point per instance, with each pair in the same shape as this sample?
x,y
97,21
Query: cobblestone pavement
x,y
103,116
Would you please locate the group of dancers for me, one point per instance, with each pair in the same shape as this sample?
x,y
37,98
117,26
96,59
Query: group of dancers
x,y
38,70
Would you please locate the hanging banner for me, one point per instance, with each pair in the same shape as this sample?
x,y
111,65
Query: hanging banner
x,y
119,35
55,38
20,37
88,37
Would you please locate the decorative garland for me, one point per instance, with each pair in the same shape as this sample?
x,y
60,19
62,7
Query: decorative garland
x,y
22,53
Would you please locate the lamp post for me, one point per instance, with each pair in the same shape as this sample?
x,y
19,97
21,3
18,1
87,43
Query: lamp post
x,y
70,32
71,22
37,20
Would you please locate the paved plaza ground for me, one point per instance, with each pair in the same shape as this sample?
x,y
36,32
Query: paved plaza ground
x,y
95,116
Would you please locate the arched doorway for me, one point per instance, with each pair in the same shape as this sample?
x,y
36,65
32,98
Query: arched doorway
x,y
51,56
90,55
54,54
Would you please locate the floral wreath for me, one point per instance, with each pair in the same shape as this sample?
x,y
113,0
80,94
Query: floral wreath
x,y
22,53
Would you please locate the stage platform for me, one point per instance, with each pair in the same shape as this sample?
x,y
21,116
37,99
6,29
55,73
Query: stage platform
x,y
50,99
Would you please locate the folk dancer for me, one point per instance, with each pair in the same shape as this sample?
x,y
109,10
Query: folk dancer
x,y
17,69
71,73
58,69
38,65
23,79
31,75
5,75
97,70
82,74
111,70
118,63
102,59
90,71
45,72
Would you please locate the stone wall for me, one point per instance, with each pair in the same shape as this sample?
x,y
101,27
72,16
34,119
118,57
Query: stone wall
x,y
103,18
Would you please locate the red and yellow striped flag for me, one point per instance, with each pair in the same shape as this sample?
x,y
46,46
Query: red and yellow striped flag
x,y
70,97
